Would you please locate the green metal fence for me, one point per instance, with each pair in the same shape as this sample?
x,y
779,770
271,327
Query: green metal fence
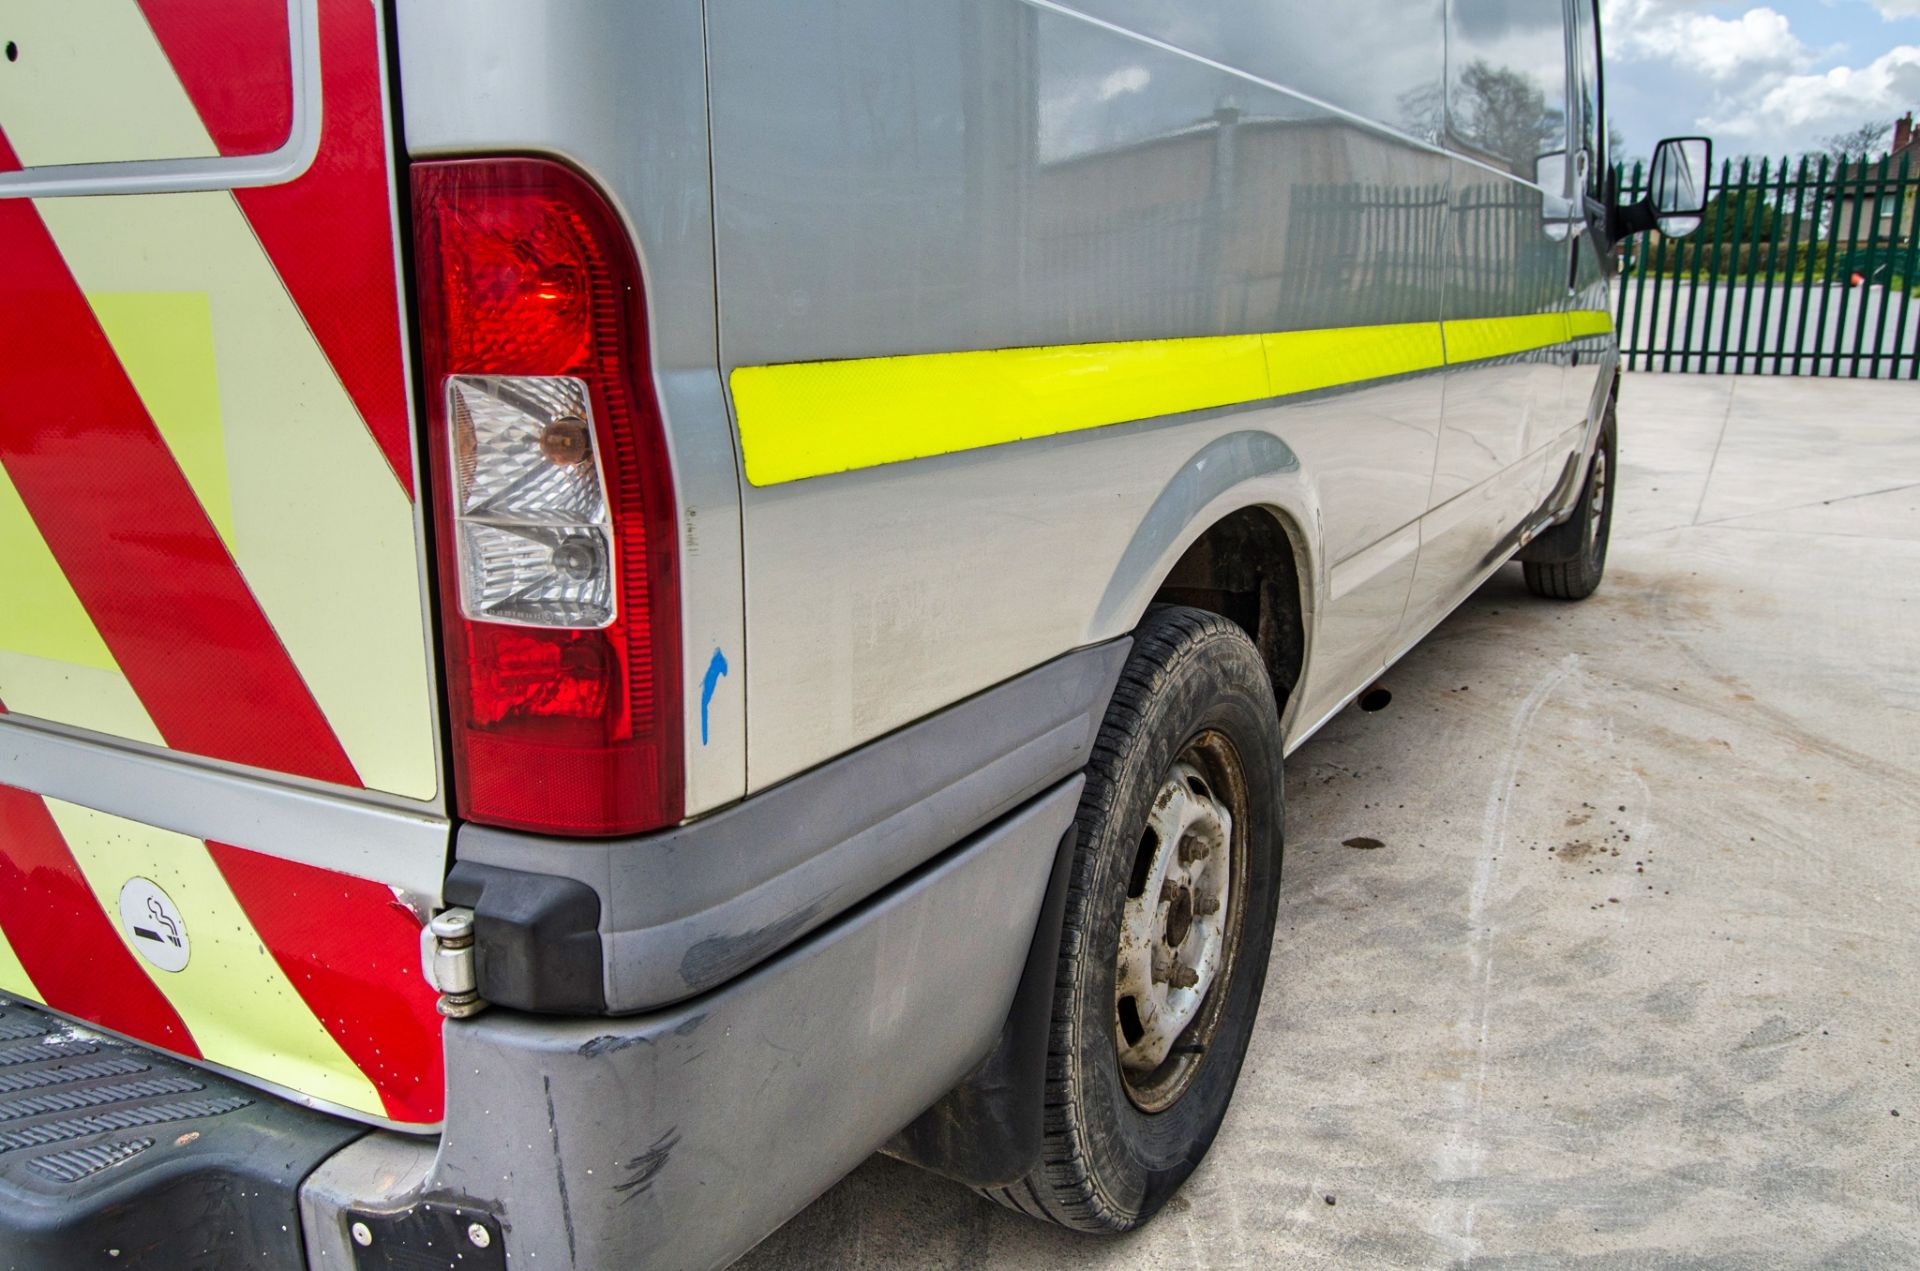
x,y
1804,267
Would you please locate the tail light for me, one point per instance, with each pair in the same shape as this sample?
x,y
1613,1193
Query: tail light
x,y
559,581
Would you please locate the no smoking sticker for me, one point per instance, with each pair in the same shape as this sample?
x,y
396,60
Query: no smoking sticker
x,y
154,924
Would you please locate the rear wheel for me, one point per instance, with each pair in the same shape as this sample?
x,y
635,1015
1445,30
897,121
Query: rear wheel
x,y
1168,926
1576,574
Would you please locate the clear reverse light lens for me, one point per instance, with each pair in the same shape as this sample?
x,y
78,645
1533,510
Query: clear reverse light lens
x,y
534,538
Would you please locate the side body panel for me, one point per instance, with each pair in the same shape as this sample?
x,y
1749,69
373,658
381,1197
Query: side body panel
x,y
1158,233
1594,356
221,824
1506,422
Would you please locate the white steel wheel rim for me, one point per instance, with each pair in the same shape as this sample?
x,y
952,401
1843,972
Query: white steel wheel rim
x,y
1597,505
1174,934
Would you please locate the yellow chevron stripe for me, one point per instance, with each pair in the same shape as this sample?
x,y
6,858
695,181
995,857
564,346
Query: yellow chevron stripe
x,y
13,976
53,663
322,533
107,47
164,340
808,419
274,448
239,1005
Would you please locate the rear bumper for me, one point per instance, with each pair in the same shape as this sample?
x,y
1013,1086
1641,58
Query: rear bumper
x,y
680,1137
676,1138
621,926
114,1156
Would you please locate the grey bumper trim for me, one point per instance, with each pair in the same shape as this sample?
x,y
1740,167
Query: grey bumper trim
x,y
342,831
693,907
679,1138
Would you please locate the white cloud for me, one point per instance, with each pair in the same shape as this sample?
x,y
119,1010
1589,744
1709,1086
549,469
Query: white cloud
x,y
1128,79
1834,100
1748,78
1758,41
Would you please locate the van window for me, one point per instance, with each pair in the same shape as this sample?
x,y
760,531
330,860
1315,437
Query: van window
x,y
1381,59
1590,94
1507,85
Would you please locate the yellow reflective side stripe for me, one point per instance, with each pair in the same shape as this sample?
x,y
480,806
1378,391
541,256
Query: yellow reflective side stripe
x,y
239,1005
53,663
106,46
804,419
1477,339
1300,361
1590,322
808,419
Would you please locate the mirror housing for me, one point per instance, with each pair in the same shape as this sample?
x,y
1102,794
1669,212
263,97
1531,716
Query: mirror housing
x,y
1676,194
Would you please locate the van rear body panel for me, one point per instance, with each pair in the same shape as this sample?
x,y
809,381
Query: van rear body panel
x,y
208,510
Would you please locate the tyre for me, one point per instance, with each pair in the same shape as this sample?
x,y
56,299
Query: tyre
x,y
1567,563
1169,923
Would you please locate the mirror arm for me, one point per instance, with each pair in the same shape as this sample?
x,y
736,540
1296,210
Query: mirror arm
x,y
1635,218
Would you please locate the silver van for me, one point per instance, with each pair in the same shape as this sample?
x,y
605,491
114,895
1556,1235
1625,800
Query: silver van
x,y
606,608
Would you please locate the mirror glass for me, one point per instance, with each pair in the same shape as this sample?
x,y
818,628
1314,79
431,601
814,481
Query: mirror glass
x,y
1678,184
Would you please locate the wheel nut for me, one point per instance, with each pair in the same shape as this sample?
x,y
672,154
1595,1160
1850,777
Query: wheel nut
x,y
1183,976
1194,848
1204,905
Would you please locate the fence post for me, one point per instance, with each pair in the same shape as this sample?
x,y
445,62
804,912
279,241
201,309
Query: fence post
x,y
1833,256
1730,269
1776,220
1908,187
1866,286
1797,258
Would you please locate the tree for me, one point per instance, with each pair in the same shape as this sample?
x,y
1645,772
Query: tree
x,y
1504,113
1746,216
1857,143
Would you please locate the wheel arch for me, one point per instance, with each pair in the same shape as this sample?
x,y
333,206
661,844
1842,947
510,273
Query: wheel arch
x,y
1251,567
1228,533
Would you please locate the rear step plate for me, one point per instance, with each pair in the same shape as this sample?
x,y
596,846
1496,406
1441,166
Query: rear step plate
x,y
112,1155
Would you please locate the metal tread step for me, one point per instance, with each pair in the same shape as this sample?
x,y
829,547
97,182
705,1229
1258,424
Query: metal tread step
x,y
113,1155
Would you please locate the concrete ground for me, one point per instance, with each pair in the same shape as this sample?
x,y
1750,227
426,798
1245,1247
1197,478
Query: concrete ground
x,y
1632,981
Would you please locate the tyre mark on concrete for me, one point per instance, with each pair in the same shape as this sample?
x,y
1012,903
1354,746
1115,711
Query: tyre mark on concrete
x,y
1461,1157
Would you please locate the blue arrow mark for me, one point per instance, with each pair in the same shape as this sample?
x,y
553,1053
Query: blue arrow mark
x,y
716,668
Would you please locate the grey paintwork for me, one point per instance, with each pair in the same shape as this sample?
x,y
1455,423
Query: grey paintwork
x,y
1003,173
619,90
679,1138
856,178
686,910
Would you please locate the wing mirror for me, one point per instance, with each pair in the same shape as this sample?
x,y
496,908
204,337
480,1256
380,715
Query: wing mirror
x,y
1676,196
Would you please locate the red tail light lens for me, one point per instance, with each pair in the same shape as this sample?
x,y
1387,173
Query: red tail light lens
x,y
560,592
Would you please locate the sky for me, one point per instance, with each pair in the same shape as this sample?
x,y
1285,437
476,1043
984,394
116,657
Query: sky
x,y
1771,78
